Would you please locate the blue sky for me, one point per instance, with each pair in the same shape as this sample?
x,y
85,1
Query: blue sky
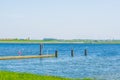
x,y
62,19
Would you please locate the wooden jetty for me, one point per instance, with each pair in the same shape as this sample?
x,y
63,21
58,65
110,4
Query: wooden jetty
x,y
26,57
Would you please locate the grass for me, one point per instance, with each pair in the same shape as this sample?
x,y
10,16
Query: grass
x,y
63,41
5,75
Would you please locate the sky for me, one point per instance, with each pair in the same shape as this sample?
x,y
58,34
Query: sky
x,y
60,19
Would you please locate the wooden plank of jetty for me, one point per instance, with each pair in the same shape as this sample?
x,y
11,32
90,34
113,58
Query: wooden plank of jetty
x,y
25,57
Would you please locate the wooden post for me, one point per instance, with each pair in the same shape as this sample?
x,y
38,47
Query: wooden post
x,y
41,47
72,53
56,53
85,52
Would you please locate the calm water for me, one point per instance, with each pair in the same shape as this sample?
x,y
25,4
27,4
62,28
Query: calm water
x,y
102,62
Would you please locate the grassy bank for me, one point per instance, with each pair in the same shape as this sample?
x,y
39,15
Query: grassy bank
x,y
63,41
5,75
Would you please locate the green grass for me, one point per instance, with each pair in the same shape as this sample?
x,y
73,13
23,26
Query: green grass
x,y
29,41
5,75
63,41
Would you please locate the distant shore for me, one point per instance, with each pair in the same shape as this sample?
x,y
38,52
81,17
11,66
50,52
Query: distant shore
x,y
76,41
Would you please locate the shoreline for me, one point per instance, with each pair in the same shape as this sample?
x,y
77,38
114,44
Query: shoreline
x,y
53,43
6,75
59,42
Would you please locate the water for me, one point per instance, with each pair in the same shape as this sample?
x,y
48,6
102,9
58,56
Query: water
x,y
102,62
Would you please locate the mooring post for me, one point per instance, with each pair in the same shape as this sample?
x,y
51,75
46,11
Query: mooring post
x,y
72,53
85,52
41,47
56,53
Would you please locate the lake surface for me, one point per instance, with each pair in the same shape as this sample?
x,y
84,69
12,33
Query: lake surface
x,y
102,61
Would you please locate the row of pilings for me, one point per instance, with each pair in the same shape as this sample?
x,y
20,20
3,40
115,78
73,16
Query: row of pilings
x,y
56,51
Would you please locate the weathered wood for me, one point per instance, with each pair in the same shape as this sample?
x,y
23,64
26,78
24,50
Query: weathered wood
x,y
41,47
25,57
72,53
85,52
56,53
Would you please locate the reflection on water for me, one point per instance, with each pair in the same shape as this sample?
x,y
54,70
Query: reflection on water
x,y
102,62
